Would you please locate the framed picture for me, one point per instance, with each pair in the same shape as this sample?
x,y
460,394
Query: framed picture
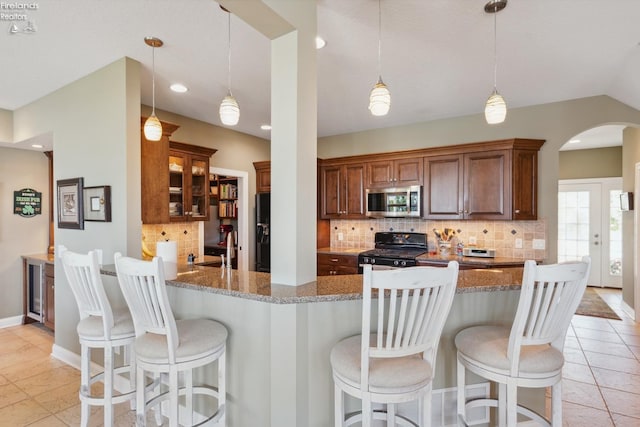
x,y
70,209
97,203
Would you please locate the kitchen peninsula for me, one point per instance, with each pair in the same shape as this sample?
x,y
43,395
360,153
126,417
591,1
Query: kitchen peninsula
x,y
280,336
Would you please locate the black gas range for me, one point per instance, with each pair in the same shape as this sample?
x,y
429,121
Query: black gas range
x,y
394,249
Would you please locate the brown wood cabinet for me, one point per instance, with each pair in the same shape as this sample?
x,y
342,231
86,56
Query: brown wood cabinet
x,y
342,190
49,312
174,179
263,176
331,264
394,173
489,181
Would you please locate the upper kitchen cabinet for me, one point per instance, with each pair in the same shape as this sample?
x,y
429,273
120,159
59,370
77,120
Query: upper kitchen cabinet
x,y
188,182
263,176
342,190
399,172
174,179
490,181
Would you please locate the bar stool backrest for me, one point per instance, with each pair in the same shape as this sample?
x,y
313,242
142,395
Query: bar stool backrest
x,y
549,298
144,289
419,300
83,274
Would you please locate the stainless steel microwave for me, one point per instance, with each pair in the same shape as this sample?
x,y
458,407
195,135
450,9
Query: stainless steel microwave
x,y
394,202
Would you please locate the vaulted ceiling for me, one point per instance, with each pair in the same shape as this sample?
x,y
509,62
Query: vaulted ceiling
x,y
437,56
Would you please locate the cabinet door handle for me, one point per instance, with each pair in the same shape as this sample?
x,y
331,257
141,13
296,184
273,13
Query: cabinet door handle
x,y
334,259
517,211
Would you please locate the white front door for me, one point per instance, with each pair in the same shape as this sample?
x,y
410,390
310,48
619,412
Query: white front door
x,y
590,223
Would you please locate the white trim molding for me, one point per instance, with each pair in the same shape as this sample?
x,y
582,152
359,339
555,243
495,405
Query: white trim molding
x,y
8,322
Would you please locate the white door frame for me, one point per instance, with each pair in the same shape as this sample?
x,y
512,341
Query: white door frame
x,y
600,270
243,213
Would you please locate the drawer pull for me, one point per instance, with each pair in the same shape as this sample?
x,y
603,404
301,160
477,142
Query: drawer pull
x,y
334,259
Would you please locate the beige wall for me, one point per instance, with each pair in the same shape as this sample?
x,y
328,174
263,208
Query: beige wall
x,y
20,236
595,163
556,122
95,125
6,126
631,156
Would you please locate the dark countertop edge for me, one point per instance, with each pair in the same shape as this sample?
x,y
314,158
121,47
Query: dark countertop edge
x,y
109,270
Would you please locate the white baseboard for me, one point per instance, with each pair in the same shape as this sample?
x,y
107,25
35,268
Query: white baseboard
x,y
8,322
628,310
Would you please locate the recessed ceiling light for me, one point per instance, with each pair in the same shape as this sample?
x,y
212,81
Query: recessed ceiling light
x,y
320,43
574,141
36,145
265,127
178,87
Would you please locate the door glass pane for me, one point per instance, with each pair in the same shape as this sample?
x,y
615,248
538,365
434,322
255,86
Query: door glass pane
x,y
615,234
573,225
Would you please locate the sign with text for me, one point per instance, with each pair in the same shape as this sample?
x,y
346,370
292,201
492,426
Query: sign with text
x,y
27,203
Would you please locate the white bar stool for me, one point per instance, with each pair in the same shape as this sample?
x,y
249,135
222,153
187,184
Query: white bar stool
x,y
394,362
99,327
527,353
168,346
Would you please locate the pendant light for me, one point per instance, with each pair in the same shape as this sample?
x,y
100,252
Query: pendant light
x,y
379,98
152,126
229,109
495,111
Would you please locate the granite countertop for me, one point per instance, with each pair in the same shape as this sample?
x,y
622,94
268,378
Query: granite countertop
x,y
47,258
257,286
341,251
478,262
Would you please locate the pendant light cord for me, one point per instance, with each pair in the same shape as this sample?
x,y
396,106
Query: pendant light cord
x,y
229,51
379,41
153,81
495,49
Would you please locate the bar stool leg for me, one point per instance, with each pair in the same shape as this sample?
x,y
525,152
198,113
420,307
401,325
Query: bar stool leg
x,y
222,389
173,397
108,385
188,385
338,402
140,398
85,354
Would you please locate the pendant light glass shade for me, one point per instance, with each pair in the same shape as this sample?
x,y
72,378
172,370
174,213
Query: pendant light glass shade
x,y
379,99
229,110
496,109
152,128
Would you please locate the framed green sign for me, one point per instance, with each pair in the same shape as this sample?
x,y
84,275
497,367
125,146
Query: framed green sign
x,y
27,203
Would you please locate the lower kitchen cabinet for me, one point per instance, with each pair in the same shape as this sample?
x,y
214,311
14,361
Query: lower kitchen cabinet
x,y
49,312
331,264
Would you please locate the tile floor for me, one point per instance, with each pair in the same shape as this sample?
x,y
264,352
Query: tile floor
x,y
601,379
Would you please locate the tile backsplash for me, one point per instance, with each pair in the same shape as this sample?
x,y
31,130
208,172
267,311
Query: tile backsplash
x,y
498,235
185,233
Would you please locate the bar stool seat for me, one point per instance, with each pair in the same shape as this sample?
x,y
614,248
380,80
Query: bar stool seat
x,y
99,327
170,348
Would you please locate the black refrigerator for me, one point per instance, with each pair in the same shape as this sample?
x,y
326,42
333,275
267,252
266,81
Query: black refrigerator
x,y
263,217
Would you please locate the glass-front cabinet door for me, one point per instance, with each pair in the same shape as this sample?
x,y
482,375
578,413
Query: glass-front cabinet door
x,y
176,187
188,187
199,204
